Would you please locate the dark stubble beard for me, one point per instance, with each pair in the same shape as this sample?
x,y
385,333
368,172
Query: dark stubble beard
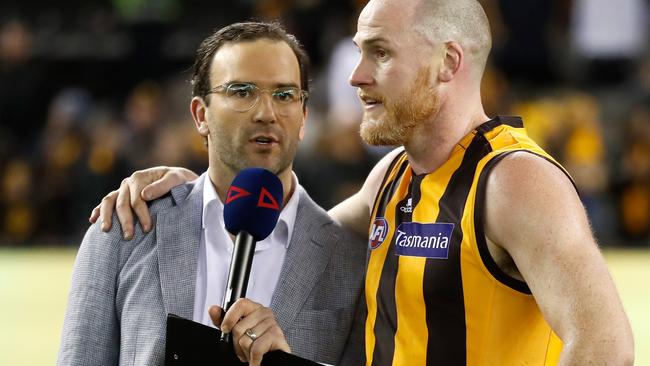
x,y
231,152
403,114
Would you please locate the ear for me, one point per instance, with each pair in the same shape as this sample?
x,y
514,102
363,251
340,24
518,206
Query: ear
x,y
453,59
199,113
301,133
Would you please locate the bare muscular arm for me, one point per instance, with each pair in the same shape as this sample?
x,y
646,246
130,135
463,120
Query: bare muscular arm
x,y
354,212
149,184
535,216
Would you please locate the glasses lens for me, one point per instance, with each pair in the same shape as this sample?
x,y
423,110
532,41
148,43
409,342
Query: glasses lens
x,y
242,96
286,95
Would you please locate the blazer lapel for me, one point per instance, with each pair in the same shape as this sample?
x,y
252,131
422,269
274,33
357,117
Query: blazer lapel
x,y
306,259
178,238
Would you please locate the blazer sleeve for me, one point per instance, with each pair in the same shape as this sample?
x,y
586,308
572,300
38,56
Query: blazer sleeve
x,y
91,334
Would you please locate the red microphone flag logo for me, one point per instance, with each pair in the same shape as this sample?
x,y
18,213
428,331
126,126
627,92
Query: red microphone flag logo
x,y
235,193
267,201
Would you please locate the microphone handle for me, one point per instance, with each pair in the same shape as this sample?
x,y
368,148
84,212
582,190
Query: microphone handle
x,y
240,269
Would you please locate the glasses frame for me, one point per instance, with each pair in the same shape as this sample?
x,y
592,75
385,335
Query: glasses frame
x,y
221,89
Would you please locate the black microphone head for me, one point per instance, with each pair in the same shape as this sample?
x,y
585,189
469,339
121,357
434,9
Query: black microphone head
x,y
253,203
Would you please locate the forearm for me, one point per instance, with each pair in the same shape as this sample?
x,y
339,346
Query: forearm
x,y
588,349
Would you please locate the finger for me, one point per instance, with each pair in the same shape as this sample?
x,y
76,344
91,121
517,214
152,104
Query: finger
x,y
186,174
94,214
106,208
123,208
169,178
258,349
216,314
138,204
273,339
239,353
241,308
244,341
242,345
161,186
264,325
258,322
241,340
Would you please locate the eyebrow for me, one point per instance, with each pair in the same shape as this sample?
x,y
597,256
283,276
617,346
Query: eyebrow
x,y
275,86
371,41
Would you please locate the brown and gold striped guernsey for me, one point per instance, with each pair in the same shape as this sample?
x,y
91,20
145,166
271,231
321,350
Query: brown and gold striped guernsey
x,y
434,294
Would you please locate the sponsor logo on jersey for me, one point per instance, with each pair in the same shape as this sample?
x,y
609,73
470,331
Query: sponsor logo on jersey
x,y
423,240
378,232
407,208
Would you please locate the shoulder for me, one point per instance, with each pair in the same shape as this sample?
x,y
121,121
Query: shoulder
x,y
524,174
527,194
110,247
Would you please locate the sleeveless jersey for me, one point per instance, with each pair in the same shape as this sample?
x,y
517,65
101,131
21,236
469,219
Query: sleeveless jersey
x,y
434,294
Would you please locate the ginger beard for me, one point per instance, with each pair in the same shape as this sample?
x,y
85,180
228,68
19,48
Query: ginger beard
x,y
419,104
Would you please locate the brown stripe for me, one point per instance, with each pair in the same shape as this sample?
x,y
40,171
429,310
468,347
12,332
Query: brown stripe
x,y
443,285
386,319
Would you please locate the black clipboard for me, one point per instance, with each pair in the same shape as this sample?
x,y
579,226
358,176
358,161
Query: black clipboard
x,y
192,343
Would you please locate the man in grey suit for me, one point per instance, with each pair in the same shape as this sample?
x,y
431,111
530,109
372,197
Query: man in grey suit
x,y
249,92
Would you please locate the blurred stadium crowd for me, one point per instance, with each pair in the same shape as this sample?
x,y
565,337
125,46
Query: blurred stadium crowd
x,y
92,90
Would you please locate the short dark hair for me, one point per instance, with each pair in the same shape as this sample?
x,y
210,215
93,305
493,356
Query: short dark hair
x,y
242,32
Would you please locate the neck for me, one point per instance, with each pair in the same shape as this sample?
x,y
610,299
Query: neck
x,y
221,178
432,142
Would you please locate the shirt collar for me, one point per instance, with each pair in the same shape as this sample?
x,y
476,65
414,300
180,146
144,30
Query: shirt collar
x,y
213,208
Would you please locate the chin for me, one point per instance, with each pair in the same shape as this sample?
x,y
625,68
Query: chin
x,y
272,166
382,133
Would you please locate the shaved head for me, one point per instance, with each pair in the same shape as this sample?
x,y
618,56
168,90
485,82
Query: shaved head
x,y
461,21
416,57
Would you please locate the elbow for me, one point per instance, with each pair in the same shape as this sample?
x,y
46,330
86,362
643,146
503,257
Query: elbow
x,y
614,352
625,347
625,353
621,352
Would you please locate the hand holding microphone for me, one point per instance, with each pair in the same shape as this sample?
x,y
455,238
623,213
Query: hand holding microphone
x,y
253,328
251,211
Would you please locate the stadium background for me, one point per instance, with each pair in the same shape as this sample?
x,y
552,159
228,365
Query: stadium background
x,y
92,90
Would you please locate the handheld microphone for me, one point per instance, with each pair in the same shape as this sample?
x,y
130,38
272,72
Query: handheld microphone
x,y
251,211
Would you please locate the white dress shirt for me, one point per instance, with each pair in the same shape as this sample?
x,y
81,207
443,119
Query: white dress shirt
x,y
215,253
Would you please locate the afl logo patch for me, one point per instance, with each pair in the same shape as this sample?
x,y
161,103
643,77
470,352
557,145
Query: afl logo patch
x,y
378,232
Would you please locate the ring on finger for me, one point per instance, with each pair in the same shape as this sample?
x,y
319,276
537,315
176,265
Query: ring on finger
x,y
251,334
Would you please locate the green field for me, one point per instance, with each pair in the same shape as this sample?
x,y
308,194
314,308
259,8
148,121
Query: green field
x,y
34,285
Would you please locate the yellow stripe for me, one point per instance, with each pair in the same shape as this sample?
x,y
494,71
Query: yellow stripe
x,y
377,257
494,312
412,333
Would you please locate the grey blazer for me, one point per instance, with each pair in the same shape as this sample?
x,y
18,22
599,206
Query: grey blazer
x,y
122,290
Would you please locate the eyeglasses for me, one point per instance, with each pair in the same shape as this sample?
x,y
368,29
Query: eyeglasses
x,y
242,97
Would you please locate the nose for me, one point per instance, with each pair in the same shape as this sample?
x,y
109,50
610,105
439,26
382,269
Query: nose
x,y
264,110
360,75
